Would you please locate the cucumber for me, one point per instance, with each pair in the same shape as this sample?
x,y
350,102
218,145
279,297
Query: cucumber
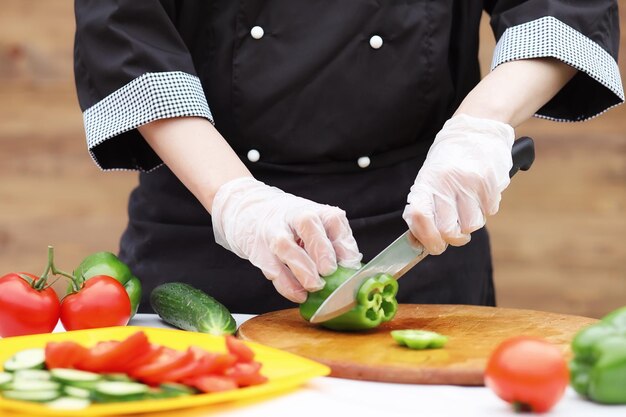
x,y
26,385
26,359
189,308
35,396
5,380
114,391
179,389
74,377
69,403
76,392
117,377
32,375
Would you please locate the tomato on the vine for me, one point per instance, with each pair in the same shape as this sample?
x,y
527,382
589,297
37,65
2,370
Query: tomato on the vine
x,y
528,372
27,305
101,302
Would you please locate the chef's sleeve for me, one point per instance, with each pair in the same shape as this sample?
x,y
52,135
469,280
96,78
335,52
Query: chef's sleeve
x,y
131,67
581,33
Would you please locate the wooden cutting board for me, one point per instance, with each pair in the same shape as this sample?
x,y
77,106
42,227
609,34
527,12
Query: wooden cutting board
x,y
373,355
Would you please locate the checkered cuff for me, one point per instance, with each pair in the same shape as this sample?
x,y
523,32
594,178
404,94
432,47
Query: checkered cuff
x,y
152,96
549,37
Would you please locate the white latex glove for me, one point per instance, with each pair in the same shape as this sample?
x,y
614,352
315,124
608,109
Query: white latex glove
x,y
460,183
291,239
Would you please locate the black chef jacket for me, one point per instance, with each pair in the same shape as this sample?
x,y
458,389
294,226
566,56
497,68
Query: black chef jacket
x,y
335,101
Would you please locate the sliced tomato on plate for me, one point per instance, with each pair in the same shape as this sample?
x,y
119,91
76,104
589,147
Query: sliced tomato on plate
x,y
169,359
246,374
113,356
239,349
147,357
211,383
64,354
197,366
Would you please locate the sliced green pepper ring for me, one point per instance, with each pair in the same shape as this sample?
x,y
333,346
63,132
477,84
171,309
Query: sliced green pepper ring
x,y
419,339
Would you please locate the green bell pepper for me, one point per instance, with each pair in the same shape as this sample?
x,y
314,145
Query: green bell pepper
x,y
376,301
106,263
598,370
419,339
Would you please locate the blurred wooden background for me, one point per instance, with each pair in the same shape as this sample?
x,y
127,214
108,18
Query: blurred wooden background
x,y
558,241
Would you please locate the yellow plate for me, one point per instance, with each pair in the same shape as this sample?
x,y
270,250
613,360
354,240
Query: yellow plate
x,y
283,370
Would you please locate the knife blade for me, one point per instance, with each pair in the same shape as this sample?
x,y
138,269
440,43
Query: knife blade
x,y
403,254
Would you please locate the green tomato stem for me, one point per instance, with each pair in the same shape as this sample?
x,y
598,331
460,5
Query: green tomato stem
x,y
51,267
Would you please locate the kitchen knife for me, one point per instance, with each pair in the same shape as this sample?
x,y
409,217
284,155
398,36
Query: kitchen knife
x,y
403,254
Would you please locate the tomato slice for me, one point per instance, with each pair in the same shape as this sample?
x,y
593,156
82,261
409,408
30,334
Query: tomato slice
x,y
168,360
211,383
197,366
246,374
113,356
147,357
64,354
239,349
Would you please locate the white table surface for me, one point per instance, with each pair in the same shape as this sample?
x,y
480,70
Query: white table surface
x,y
330,397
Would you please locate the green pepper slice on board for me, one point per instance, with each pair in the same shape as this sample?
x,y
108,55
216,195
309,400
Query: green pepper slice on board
x,y
598,370
376,301
106,263
419,339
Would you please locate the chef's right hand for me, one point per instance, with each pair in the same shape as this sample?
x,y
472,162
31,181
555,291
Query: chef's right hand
x,y
291,239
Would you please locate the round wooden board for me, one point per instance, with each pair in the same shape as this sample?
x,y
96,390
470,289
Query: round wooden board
x,y
373,355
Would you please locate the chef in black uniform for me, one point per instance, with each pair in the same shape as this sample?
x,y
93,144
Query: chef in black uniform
x,y
273,135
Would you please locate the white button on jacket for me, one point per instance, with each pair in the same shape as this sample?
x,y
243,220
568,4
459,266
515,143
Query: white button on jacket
x,y
257,32
363,162
376,41
253,155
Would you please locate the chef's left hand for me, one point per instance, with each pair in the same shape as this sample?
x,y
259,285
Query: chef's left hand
x,y
460,183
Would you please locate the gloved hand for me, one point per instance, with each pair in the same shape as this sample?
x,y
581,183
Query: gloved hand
x,y
460,183
291,239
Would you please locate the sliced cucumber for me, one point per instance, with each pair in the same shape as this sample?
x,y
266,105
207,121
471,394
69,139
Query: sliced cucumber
x,y
119,388
113,391
73,376
158,394
76,392
26,359
5,379
26,385
118,377
32,375
177,388
88,385
36,396
69,403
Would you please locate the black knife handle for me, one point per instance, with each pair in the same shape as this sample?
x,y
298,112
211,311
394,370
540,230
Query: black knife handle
x,y
523,155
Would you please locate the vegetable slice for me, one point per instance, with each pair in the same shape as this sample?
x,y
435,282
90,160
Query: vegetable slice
x,y
25,359
35,396
71,376
419,339
69,403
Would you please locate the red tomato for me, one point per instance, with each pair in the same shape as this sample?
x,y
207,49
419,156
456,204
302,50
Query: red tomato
x,y
113,356
239,349
246,374
102,302
218,363
25,310
211,383
64,354
200,365
169,359
147,357
529,373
